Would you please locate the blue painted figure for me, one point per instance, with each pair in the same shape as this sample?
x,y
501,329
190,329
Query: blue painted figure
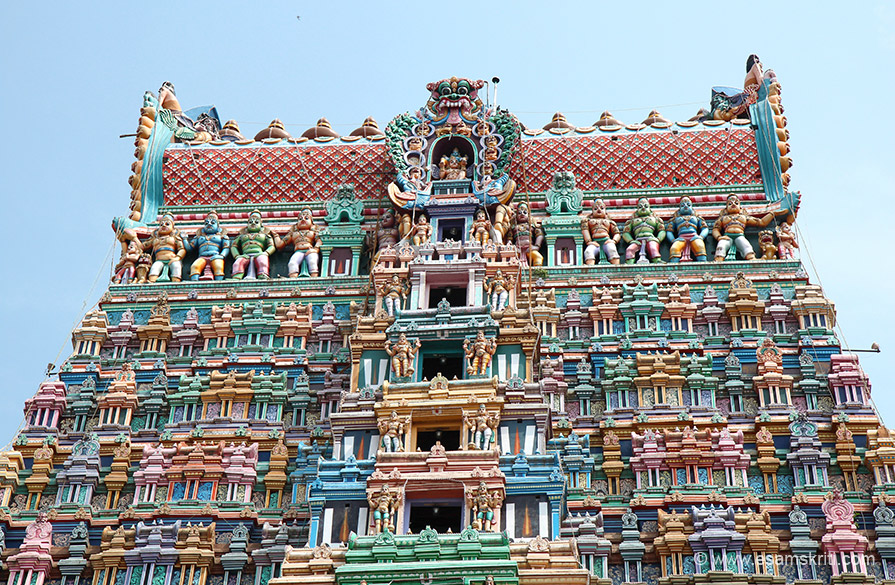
x,y
686,231
213,244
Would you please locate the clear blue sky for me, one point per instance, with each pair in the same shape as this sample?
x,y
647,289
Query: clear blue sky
x,y
74,74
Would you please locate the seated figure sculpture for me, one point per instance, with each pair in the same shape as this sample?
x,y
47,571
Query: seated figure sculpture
x,y
305,238
402,354
167,247
601,235
479,353
213,244
453,167
686,231
252,248
730,229
643,232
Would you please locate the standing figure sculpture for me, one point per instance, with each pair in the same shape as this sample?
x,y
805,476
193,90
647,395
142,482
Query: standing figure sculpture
x,y
643,232
480,230
479,353
421,233
384,505
213,244
483,505
385,236
529,235
167,247
483,427
393,294
252,248
498,289
304,237
126,269
686,231
786,242
730,229
402,353
601,235
391,431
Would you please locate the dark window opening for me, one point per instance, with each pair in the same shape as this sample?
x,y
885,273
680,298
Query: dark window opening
x,y
451,229
340,261
450,440
438,517
448,366
455,295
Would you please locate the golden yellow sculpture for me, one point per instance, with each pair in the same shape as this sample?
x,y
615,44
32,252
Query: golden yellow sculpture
x,y
479,353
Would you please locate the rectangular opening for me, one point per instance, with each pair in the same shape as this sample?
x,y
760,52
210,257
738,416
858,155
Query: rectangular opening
x,y
340,261
451,229
447,365
455,295
438,517
450,439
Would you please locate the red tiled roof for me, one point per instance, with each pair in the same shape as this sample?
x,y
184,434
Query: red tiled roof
x,y
273,174
641,161
258,174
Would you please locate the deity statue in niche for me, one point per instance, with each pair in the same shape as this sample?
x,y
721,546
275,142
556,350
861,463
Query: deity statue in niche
x,y
479,352
166,244
384,505
643,232
252,248
213,244
392,430
305,238
601,235
393,294
421,232
483,504
483,426
730,229
498,289
453,167
529,235
686,231
402,354
480,230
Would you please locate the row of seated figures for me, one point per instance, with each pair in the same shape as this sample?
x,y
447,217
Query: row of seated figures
x,y
445,454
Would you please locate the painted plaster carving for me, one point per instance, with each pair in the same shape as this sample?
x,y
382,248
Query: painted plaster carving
x,y
252,248
601,235
643,232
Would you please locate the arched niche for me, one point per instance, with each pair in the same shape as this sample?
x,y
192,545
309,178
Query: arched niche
x,y
445,145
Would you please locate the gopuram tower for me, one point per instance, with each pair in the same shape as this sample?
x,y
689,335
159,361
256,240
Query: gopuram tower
x,y
456,351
